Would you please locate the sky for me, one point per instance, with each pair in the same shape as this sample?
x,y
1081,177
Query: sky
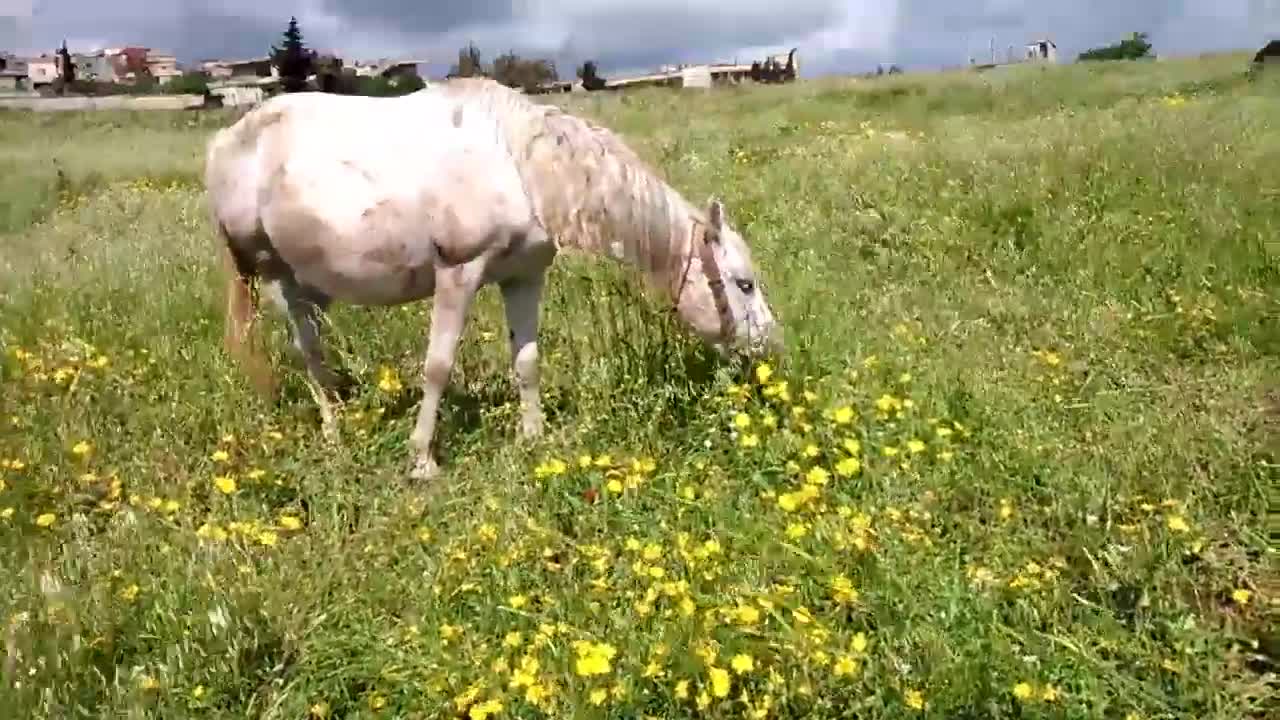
x,y
833,36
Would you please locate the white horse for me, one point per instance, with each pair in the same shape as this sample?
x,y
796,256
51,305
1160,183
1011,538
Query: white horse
x,y
383,201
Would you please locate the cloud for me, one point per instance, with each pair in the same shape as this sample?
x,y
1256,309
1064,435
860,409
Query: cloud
x,y
832,35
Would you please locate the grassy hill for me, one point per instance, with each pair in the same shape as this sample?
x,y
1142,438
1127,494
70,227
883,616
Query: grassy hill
x,y
1016,463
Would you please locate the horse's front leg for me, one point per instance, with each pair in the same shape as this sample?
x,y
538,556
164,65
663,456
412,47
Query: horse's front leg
x,y
521,298
455,289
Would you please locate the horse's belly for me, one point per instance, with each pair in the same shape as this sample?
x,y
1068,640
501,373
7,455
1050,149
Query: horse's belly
x,y
386,273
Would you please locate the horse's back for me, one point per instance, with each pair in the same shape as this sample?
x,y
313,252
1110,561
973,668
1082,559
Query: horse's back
x,y
357,195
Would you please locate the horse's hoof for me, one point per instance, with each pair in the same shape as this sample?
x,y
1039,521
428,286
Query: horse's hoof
x,y
424,469
329,431
531,427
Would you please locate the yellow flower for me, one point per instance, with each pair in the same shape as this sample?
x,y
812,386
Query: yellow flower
x,y
742,421
1023,691
267,538
1241,596
550,468
859,643
788,502
747,615
220,456
211,531
742,663
817,476
844,666
1177,523
843,590
225,483
388,380
517,601
795,531
598,696
887,402
46,519
593,658
130,593
749,440
914,700
1050,693
915,446
485,709
614,486
289,522
763,373
848,467
6,513
719,681
82,448
843,416
682,690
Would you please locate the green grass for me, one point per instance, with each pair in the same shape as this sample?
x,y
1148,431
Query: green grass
x,y
1041,309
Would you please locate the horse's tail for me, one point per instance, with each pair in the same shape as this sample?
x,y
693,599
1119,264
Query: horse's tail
x,y
242,310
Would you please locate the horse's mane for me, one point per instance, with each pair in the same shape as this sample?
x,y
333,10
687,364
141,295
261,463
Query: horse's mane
x,y
590,190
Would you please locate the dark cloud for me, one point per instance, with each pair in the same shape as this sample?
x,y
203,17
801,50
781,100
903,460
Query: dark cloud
x,y
424,16
234,36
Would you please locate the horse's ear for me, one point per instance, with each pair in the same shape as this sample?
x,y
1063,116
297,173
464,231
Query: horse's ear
x,y
715,213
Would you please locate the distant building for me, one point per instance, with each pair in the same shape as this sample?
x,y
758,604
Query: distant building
x,y
13,73
384,68
163,67
1041,51
258,67
12,80
42,71
97,66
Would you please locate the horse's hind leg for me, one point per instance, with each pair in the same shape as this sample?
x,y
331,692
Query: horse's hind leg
x,y
521,298
305,312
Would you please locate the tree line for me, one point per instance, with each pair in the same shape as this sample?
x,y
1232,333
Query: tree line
x,y
518,72
1134,47
295,63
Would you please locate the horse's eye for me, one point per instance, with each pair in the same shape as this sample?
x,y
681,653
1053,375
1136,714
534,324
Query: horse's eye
x,y
745,285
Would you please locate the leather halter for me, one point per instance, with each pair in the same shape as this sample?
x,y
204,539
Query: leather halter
x,y
698,241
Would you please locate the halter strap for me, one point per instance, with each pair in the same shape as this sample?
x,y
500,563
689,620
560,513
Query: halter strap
x,y
711,269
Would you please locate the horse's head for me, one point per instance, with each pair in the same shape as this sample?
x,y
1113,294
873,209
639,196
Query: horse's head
x,y
720,297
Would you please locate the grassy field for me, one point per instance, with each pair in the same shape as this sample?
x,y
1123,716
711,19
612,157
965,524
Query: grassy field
x,y
1017,461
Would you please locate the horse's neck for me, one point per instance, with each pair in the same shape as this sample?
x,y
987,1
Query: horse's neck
x,y
594,195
